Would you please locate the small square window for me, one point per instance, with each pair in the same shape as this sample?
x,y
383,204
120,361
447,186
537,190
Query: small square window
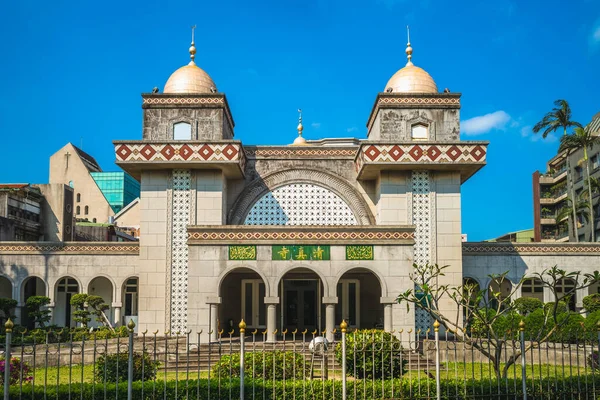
x,y
419,131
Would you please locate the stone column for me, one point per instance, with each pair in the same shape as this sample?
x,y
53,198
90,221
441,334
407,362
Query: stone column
x,y
271,303
548,295
330,321
388,322
19,313
51,306
579,295
117,314
213,319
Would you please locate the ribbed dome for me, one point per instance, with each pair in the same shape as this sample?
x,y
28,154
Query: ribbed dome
x,y
411,79
190,79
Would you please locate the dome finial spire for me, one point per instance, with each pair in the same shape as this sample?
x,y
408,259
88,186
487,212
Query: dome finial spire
x,y
409,49
193,48
300,141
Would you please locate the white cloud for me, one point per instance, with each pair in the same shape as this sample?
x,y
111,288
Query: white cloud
x,y
353,129
526,130
316,125
485,123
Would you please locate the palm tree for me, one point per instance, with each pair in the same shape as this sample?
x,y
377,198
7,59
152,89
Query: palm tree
x,y
582,138
559,117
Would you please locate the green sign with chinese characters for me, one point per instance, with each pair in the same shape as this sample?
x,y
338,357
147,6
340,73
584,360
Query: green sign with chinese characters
x,y
301,253
242,252
359,252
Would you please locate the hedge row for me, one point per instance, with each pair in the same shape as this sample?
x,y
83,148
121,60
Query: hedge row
x,y
548,388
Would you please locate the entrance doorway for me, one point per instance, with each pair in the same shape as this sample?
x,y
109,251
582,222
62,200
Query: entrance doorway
x,y
301,304
348,308
253,294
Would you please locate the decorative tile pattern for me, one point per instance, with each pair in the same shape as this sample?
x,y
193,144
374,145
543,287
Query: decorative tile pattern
x,y
300,204
169,152
207,236
183,100
179,254
421,153
69,247
299,152
242,252
421,215
361,252
511,248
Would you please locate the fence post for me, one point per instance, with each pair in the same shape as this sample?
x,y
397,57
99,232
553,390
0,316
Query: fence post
x,y
130,327
8,327
343,327
523,358
436,330
242,326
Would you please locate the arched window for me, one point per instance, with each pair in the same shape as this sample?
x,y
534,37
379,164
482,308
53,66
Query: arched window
x,y
87,210
94,220
419,131
78,210
182,131
78,197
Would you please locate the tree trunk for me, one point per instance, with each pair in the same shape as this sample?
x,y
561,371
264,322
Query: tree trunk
x,y
570,186
591,201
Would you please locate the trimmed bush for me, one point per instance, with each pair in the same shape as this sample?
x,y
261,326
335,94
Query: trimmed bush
x,y
561,307
591,303
37,310
372,354
266,365
527,305
504,324
112,366
18,369
546,388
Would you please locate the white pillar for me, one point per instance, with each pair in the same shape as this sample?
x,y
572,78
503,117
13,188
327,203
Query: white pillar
x,y
19,309
213,323
387,317
117,316
271,322
579,295
329,321
51,306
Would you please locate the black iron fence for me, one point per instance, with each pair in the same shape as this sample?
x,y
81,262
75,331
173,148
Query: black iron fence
x,y
243,364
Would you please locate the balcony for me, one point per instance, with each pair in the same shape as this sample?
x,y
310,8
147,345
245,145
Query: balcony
x,y
551,235
554,194
550,179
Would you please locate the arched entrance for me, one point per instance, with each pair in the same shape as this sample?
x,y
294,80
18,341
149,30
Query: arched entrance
x,y
498,290
300,295
63,311
243,294
359,292
32,286
103,287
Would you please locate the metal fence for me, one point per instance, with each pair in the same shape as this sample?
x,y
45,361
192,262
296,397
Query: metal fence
x,y
359,364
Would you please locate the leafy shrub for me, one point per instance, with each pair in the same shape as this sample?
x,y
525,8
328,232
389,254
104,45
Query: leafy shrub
x,y
7,306
107,366
591,325
265,365
527,305
591,303
538,324
37,310
17,368
505,324
372,354
561,307
570,327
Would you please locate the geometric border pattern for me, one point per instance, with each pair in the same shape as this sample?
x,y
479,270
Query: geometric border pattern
x,y
70,247
167,152
438,153
299,152
208,235
513,248
183,100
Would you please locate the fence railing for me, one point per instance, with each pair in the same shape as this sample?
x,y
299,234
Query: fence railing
x,y
244,364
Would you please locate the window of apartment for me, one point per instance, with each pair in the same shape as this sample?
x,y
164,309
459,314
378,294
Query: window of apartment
x,y
419,131
578,173
78,210
87,210
78,197
595,163
182,131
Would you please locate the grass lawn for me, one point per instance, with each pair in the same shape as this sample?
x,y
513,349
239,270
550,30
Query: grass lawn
x,y
460,371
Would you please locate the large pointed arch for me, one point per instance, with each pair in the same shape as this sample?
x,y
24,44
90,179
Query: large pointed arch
x,y
261,186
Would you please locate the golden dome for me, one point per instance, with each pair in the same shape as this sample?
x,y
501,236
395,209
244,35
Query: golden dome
x,y
190,78
411,79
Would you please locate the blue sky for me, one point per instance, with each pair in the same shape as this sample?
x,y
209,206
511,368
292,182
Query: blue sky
x,y
74,71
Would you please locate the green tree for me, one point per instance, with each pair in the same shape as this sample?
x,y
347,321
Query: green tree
x,y
37,310
7,306
82,313
581,206
582,139
559,117
489,313
98,307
